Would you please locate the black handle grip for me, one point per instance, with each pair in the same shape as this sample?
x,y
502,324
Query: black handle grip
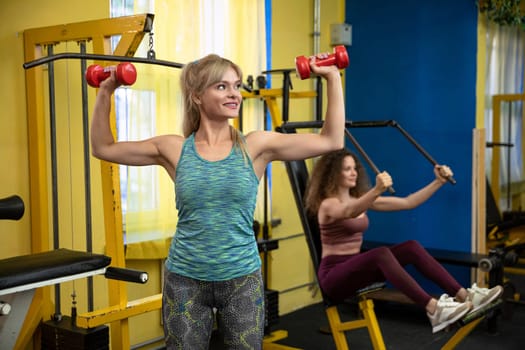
x,y
128,275
11,208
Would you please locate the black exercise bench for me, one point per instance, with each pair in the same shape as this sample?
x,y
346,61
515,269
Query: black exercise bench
x,y
21,275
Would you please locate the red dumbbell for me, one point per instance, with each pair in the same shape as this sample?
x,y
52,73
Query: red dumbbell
x,y
126,74
339,58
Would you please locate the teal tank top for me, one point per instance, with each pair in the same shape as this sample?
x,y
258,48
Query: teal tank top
x,y
214,239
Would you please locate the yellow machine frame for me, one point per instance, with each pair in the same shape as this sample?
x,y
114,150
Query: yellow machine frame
x,y
497,101
131,29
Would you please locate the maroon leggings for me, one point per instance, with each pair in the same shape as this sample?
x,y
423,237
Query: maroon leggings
x,y
341,275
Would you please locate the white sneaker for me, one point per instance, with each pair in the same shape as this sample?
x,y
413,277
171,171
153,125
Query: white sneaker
x,y
480,297
447,312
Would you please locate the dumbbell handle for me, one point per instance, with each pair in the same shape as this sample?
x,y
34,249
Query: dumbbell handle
x,y
328,61
125,72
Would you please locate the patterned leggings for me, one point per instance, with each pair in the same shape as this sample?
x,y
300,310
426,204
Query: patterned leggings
x,y
187,311
341,275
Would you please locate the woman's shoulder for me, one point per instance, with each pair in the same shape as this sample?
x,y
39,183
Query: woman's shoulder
x,y
256,140
255,135
330,201
328,205
171,139
169,143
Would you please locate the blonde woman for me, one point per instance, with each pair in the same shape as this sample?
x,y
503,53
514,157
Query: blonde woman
x,y
213,261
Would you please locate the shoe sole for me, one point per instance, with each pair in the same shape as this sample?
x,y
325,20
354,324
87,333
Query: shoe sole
x,y
494,297
441,326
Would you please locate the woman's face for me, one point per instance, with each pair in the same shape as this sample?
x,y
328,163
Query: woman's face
x,y
222,99
348,172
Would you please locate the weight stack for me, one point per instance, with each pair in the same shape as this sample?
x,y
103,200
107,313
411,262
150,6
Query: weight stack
x,y
271,316
62,335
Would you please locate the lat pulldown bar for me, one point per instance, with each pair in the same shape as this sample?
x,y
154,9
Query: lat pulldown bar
x,y
396,125
366,157
366,124
97,57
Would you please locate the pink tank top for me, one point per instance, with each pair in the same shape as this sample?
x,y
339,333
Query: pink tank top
x,y
348,231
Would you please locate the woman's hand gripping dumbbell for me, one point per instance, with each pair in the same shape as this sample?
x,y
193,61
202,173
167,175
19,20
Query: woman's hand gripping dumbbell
x,y
338,58
126,74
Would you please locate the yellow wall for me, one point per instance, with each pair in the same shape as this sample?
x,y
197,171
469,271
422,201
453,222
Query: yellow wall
x,y
292,35
17,16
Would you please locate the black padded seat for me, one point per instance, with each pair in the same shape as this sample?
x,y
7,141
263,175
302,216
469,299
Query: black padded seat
x,y
26,269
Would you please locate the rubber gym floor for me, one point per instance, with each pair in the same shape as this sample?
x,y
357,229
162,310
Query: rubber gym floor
x,y
404,327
